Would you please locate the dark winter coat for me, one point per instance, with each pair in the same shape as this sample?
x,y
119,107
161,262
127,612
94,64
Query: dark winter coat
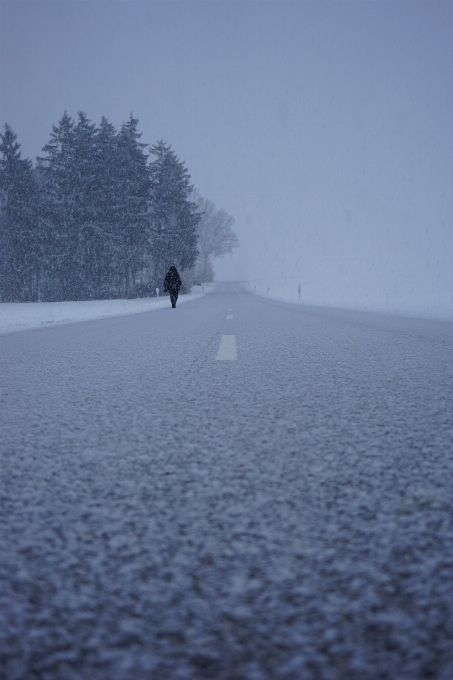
x,y
172,282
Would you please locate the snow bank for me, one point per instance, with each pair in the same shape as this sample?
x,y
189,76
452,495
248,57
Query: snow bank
x,y
288,291
16,316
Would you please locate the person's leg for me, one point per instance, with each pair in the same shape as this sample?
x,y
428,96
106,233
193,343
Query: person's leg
x,y
172,299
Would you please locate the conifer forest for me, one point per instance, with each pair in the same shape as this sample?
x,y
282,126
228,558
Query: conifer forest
x,y
100,216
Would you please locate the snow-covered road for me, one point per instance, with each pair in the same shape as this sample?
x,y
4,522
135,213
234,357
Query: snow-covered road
x,y
286,514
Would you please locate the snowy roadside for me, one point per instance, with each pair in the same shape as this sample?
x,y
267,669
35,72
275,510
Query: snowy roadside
x,y
408,308
17,316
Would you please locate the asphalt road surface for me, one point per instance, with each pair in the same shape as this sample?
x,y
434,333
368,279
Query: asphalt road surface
x,y
235,489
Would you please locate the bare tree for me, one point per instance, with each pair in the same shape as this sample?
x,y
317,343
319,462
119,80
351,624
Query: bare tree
x,y
215,235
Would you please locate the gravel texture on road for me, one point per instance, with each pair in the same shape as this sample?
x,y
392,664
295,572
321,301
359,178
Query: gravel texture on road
x,y
288,515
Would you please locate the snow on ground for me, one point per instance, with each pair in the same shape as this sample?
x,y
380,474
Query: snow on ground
x,y
17,316
287,290
284,516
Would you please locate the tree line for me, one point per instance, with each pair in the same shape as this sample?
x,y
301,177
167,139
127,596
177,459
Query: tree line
x,y
96,219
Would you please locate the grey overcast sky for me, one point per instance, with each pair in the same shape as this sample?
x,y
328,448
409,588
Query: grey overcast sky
x,y
324,128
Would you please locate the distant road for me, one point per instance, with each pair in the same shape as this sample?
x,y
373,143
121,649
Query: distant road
x,y
235,488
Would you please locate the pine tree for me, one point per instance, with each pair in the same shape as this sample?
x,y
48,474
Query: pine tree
x,y
59,209
70,184
108,252
174,216
85,235
19,222
133,186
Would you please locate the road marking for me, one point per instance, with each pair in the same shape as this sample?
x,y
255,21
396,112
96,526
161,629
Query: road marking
x,y
230,316
227,349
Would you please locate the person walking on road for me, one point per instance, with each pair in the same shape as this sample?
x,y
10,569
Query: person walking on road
x,y
172,284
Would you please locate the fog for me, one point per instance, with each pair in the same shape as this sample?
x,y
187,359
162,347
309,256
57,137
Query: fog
x,y
324,128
